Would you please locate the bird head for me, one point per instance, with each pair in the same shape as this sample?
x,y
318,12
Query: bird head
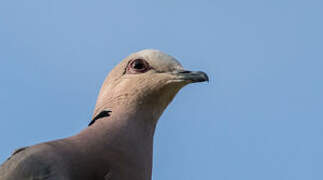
x,y
146,79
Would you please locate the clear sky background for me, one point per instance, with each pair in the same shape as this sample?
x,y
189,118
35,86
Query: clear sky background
x,y
260,117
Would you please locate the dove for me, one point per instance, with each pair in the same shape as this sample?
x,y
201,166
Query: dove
x,y
118,142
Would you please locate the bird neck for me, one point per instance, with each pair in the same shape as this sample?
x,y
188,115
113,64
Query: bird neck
x,y
126,137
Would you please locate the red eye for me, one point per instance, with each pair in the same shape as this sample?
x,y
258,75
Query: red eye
x,y
138,66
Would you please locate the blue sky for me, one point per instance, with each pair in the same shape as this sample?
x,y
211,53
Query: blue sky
x,y
260,117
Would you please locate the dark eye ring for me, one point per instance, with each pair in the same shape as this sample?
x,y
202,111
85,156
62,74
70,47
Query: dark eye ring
x,y
138,66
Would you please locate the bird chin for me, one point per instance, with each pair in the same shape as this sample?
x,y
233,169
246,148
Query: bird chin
x,y
178,82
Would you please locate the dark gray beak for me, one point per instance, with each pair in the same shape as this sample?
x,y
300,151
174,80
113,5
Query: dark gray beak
x,y
193,76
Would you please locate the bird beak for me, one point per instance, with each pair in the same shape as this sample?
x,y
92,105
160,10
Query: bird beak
x,y
192,76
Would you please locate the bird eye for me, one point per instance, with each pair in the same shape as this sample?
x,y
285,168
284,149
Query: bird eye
x,y
138,66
